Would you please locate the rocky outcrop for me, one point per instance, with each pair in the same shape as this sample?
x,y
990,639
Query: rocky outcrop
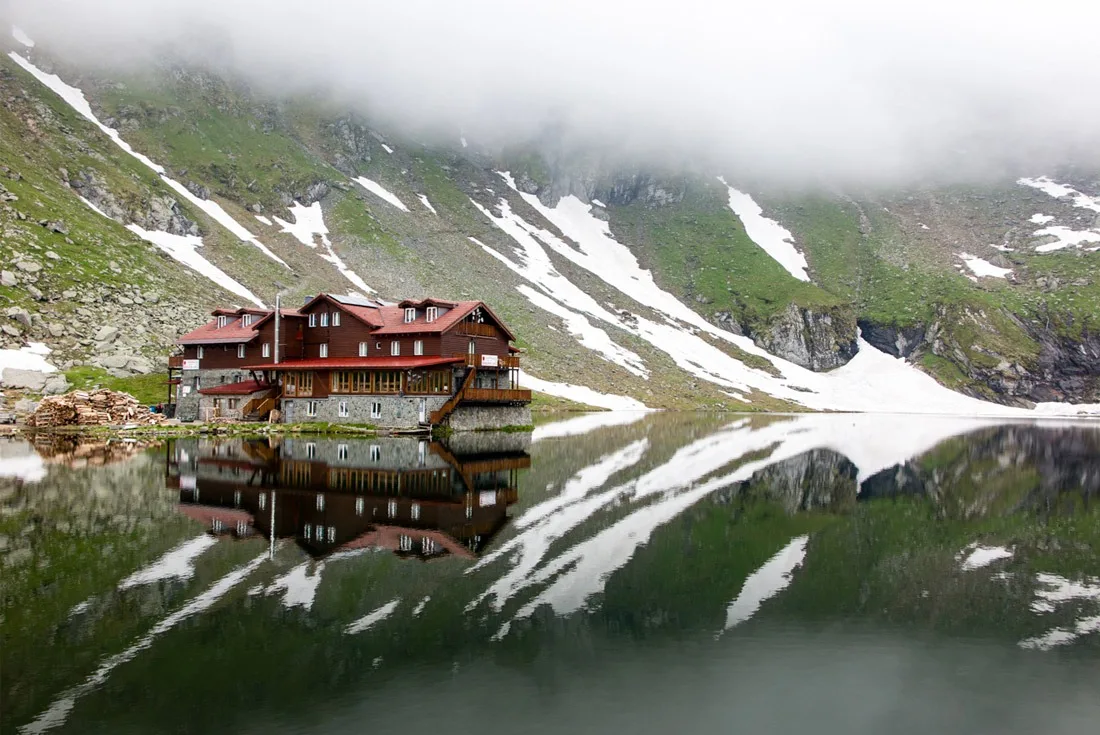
x,y
815,339
160,213
893,340
820,479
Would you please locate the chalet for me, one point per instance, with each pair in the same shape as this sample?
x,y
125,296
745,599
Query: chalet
x,y
416,498
348,359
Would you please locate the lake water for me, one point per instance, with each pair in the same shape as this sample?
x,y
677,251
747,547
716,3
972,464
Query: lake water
x,y
607,573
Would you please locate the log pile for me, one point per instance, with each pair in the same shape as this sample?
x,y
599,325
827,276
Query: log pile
x,y
94,408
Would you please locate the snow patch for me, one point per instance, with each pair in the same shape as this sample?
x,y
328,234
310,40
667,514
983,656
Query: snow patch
x,y
585,424
766,582
372,618
184,248
421,605
1066,238
29,468
309,225
581,394
427,205
1054,591
264,220
599,204
299,585
462,140
1040,219
387,149
1060,191
980,267
978,556
772,237
18,34
31,356
179,563
381,192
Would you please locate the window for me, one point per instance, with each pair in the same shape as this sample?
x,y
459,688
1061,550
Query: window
x,y
216,525
311,408
359,505
222,321
332,534
432,313
238,378
246,320
395,348
242,528
266,349
404,543
418,347
262,499
343,409
410,315
375,452
391,509
324,318
240,352
237,498
472,347
342,451
313,320
335,318
427,546
362,349
421,452
307,531
233,404
200,352
376,410
320,501
414,511
323,349
311,450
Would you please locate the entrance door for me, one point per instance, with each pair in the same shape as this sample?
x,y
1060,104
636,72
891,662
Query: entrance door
x,y
423,410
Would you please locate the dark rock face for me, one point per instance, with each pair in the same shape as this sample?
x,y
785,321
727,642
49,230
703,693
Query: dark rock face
x,y
1068,369
816,340
896,341
161,213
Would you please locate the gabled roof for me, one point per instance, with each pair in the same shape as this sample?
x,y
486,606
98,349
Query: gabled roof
x,y
394,319
362,309
235,331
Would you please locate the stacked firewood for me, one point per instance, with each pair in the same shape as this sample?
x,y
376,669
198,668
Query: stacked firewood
x,y
94,408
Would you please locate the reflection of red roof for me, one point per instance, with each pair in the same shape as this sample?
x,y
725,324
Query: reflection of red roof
x,y
389,537
362,363
236,389
207,514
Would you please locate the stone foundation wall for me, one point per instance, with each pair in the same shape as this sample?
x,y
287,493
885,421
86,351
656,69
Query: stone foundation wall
x,y
187,406
398,412
475,418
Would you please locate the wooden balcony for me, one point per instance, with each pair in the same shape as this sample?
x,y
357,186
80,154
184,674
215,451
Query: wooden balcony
x,y
473,329
478,361
497,395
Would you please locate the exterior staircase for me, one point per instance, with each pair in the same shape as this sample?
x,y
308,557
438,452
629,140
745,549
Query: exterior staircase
x,y
437,417
260,407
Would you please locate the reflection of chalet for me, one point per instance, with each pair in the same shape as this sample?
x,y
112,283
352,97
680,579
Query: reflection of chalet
x,y
413,497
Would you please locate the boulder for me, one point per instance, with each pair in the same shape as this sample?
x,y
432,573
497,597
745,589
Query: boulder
x,y
28,266
139,365
55,385
107,333
31,380
25,405
20,315
114,362
7,278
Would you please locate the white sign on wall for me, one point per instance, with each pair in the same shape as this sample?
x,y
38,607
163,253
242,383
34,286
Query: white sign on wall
x,y
190,364
490,361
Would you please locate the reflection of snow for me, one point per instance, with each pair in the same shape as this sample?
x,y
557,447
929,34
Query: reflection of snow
x,y
983,556
1054,591
372,618
179,563
766,582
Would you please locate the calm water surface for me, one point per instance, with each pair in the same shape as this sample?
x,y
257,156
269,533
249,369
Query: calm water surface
x,y
613,572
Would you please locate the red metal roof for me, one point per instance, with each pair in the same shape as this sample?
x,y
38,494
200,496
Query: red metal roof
x,y
235,331
363,363
235,389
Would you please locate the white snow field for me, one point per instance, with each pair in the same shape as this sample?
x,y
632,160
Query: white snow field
x,y
983,268
381,192
31,356
772,237
427,205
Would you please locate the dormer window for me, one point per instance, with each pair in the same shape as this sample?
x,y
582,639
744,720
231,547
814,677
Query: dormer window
x,y
324,318
246,320
410,315
335,318
313,320
222,320
432,313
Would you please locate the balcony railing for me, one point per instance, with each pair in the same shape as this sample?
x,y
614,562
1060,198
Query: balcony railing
x,y
474,329
507,361
497,395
